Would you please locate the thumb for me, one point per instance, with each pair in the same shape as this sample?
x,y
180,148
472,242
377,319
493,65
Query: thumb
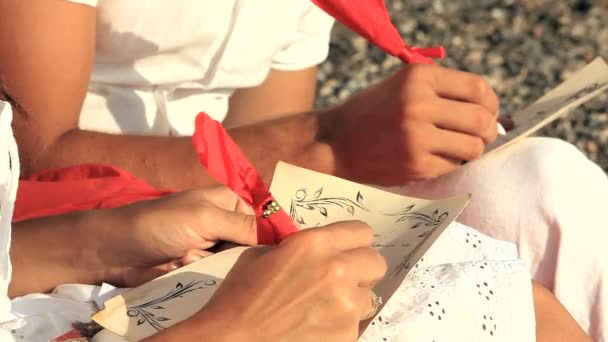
x,y
226,225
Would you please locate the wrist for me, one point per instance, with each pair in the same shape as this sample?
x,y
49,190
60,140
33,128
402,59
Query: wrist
x,y
320,153
94,235
102,255
295,139
334,136
52,251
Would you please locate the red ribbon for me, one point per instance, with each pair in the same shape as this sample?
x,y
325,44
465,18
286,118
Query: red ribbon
x,y
223,159
370,19
81,187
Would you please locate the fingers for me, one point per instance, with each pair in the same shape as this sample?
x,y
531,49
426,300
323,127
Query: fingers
x,y
456,146
441,165
343,235
366,265
137,276
464,86
224,198
194,255
220,224
468,118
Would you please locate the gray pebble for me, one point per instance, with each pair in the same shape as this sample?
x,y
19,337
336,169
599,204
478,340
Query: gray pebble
x,y
524,48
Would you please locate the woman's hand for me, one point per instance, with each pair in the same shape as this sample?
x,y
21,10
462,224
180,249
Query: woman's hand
x,y
312,287
153,237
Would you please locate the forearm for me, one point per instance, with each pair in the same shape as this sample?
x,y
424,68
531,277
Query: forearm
x,y
57,250
171,162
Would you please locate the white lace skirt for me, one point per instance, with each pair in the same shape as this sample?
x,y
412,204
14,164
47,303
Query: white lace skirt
x,y
468,287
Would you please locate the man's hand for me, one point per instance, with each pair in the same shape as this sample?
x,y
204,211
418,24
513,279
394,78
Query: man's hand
x,y
312,287
126,246
421,123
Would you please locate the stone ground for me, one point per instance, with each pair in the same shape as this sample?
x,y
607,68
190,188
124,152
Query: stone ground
x,y
524,48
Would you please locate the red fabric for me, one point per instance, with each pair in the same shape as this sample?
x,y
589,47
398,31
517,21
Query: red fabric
x,y
223,159
370,19
87,187
70,336
77,188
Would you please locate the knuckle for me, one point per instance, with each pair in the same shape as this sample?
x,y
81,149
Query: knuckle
x,y
479,87
415,140
382,265
417,71
475,149
249,223
313,238
419,166
411,72
364,230
415,110
493,131
307,242
335,272
482,120
346,305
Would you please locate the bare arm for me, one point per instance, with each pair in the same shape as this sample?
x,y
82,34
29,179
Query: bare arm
x,y
399,130
46,55
57,250
271,100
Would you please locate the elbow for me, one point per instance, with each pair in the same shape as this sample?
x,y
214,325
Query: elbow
x,y
37,152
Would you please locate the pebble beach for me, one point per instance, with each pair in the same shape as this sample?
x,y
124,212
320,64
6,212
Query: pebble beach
x,y
524,49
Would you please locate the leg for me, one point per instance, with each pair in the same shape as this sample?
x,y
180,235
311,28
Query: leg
x,y
553,322
546,197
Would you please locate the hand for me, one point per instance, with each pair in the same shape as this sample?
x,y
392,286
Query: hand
x,y
420,123
312,287
153,237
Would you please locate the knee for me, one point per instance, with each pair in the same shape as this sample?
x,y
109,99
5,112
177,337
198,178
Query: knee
x,y
548,154
552,163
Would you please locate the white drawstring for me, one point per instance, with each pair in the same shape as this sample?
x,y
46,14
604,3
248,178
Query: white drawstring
x,y
162,115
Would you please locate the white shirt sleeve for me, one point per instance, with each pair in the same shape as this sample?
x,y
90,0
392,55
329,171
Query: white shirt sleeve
x,y
310,46
9,180
92,3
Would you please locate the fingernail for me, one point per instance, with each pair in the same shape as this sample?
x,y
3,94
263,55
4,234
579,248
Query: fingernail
x,y
175,265
193,258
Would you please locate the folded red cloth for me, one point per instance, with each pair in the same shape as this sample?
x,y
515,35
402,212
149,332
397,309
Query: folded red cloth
x,y
225,161
370,19
78,188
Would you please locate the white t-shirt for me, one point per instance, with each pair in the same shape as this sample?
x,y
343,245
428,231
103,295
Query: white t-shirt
x,y
159,63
